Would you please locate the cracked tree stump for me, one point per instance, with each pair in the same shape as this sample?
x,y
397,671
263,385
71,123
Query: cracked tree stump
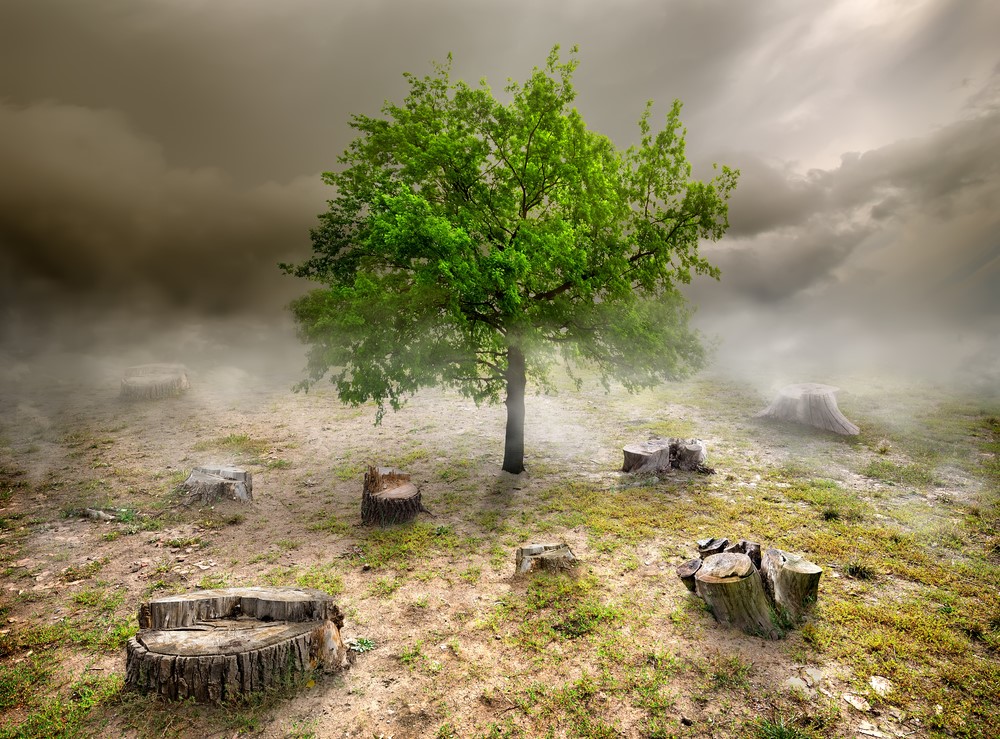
x,y
154,381
389,497
557,556
811,404
732,588
663,455
222,645
208,485
791,582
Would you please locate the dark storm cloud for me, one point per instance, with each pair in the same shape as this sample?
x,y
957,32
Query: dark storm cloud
x,y
164,154
90,209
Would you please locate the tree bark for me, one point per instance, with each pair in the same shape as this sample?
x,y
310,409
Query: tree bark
x,y
513,453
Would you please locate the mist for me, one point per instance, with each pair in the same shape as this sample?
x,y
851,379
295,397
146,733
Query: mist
x,y
160,159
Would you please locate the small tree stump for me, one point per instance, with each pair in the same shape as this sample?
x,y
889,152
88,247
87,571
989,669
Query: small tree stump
x,y
811,404
220,645
153,381
208,485
791,582
687,571
749,548
731,586
389,497
713,545
663,455
556,556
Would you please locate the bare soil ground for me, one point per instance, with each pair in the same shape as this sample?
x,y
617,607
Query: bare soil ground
x,y
898,518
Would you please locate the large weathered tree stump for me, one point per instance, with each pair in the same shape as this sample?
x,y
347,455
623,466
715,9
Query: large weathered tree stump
x,y
208,485
153,381
220,645
389,497
663,455
791,582
556,556
811,404
732,588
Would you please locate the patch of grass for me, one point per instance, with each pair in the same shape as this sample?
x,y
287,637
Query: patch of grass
x,y
915,475
332,525
84,571
274,464
726,672
860,571
398,546
777,727
384,587
214,581
239,444
471,575
48,713
321,578
288,544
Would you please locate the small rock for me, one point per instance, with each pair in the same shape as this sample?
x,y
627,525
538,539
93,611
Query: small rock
x,y
938,709
813,675
867,729
796,685
858,702
882,686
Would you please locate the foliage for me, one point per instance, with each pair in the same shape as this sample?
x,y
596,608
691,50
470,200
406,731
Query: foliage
x,y
468,235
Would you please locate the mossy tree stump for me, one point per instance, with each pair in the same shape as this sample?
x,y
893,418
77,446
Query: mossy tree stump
x,y
389,497
222,645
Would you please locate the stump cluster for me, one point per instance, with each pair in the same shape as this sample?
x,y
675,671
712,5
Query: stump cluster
x,y
153,381
760,593
222,645
389,497
663,455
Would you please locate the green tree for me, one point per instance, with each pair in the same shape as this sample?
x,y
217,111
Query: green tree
x,y
470,241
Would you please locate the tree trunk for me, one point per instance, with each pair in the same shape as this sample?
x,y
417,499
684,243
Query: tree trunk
x,y
731,586
513,453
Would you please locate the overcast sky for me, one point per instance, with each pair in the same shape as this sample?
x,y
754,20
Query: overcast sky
x,y
159,157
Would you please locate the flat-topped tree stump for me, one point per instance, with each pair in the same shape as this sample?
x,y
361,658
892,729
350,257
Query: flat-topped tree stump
x,y
153,381
791,582
811,404
731,587
389,497
221,645
554,557
663,455
208,485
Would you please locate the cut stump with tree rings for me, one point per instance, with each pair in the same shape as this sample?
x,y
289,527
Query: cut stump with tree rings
x,y
732,588
389,497
153,381
811,404
221,645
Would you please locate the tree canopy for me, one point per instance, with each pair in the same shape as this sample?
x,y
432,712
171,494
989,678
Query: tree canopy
x,y
468,237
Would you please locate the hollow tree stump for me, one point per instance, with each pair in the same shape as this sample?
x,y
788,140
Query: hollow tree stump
x,y
208,485
732,588
221,645
153,381
791,582
811,404
389,497
663,455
